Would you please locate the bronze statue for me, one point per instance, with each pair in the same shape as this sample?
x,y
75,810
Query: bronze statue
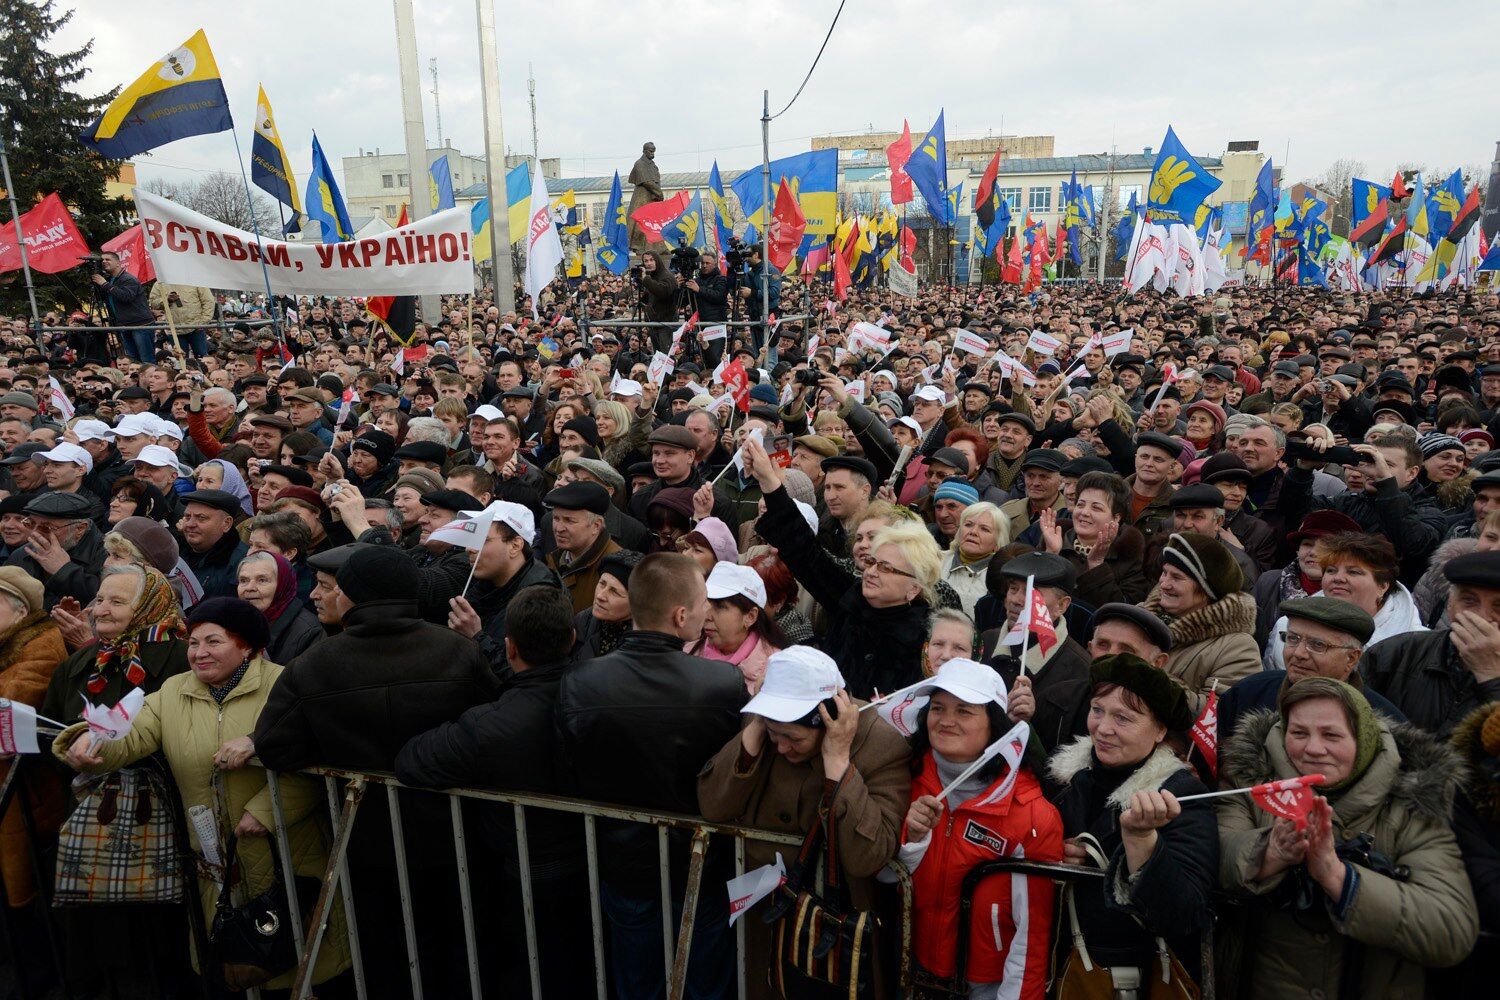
x,y
646,178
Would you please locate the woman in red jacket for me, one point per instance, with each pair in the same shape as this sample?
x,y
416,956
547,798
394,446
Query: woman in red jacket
x,y
992,814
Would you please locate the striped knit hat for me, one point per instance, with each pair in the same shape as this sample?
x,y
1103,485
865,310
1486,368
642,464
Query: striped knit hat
x,y
956,489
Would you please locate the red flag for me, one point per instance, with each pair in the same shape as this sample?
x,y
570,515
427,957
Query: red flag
x,y
655,216
1011,272
1205,733
1392,244
896,155
53,242
379,306
984,198
737,381
1399,189
1037,619
841,277
817,258
131,246
1062,244
1290,798
787,226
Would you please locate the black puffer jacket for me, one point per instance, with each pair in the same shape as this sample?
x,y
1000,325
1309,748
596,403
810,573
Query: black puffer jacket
x,y
877,649
637,727
1409,518
490,602
354,699
1422,675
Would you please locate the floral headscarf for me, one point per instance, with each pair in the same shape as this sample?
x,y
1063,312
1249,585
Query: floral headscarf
x,y
156,619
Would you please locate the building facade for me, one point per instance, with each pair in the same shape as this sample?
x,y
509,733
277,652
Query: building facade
x,y
378,183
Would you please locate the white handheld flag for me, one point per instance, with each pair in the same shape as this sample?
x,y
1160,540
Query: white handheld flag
x,y
857,389
17,728
661,366
1012,747
466,533
1041,342
753,886
110,724
1118,342
543,246
970,343
713,333
59,399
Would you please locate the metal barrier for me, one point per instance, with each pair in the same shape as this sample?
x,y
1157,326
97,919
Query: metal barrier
x,y
218,324
676,945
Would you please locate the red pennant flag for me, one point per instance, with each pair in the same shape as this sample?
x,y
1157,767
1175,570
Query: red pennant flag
x,y
1062,243
817,259
1290,798
787,226
841,277
655,216
53,242
1205,733
896,155
737,381
1011,272
1399,189
131,246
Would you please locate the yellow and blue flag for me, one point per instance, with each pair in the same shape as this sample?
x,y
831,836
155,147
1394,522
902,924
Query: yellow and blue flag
x,y
1417,222
180,96
614,250
722,216
928,170
954,200
440,184
1125,229
325,205
1262,202
270,167
518,200
479,225
1075,217
1179,184
814,179
1446,202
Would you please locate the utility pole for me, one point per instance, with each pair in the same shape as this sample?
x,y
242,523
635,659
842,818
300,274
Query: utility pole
x,y
437,105
531,88
1106,203
416,130
494,159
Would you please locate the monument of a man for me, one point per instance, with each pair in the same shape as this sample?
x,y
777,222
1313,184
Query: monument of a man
x,y
646,177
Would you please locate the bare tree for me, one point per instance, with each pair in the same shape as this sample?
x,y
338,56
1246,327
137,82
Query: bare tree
x,y
1338,181
221,196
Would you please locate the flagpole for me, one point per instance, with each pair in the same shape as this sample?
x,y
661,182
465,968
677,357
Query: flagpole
x,y
1026,635
765,207
259,244
15,218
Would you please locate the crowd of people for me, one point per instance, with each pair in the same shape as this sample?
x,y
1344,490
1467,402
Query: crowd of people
x,y
1265,527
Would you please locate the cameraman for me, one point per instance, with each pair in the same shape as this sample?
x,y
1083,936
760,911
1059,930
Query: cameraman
x,y
658,287
127,304
712,290
750,291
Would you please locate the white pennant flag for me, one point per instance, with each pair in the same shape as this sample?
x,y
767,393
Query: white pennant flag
x,y
543,246
713,333
1042,342
1118,342
661,367
1011,747
398,363
17,728
857,389
466,532
108,724
59,399
753,886
970,343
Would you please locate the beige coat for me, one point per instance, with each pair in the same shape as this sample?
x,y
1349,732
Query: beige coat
x,y
1213,646
1398,927
773,794
183,723
196,307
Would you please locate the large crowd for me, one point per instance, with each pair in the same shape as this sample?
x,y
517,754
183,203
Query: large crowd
x,y
1265,527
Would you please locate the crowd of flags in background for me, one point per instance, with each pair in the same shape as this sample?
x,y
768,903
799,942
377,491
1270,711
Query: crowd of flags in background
x,y
1408,233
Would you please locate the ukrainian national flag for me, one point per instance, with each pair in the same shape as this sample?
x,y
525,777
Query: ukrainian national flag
x,y
440,184
270,167
722,215
1417,222
814,179
518,200
614,254
1179,184
479,225
181,95
325,205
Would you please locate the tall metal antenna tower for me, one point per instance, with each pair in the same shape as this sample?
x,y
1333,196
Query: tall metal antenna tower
x,y
531,88
437,106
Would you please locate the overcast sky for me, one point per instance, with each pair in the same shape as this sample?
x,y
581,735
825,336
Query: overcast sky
x,y
1380,82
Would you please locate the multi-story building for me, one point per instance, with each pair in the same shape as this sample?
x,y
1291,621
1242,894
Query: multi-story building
x,y
377,183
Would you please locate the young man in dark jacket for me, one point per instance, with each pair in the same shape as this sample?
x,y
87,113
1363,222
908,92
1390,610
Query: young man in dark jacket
x,y
637,726
352,701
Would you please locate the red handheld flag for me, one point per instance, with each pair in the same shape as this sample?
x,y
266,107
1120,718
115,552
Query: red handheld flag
x,y
787,226
1205,733
131,246
654,216
53,242
842,279
737,381
896,155
1290,798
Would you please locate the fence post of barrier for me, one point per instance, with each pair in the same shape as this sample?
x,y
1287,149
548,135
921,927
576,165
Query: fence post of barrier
x,y
465,892
678,983
346,889
739,925
284,848
591,850
528,902
336,872
403,882
665,870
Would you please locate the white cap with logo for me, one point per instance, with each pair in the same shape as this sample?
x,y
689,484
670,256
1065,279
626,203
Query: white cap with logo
x,y
797,679
729,579
968,681
68,453
514,516
155,454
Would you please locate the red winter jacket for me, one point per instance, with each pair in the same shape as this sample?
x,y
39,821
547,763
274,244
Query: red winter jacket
x,y
1010,934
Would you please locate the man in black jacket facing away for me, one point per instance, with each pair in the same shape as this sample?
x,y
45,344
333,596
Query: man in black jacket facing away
x,y
510,745
637,726
352,701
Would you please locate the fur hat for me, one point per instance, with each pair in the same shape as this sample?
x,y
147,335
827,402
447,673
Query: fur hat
x,y
1159,690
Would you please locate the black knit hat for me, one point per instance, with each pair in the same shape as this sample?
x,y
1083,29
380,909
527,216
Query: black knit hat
x,y
619,564
1162,694
240,619
379,573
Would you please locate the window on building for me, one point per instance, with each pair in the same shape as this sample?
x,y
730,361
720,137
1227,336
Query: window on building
x,y
387,180
404,181
390,211
1039,199
1012,197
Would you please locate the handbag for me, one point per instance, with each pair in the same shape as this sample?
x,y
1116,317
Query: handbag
x,y
120,843
253,942
1081,979
821,945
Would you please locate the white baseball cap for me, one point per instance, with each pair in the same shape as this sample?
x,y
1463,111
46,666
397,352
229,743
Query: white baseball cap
x,y
155,454
68,452
808,514
931,394
165,428
796,680
134,424
514,516
626,387
729,579
93,430
488,412
910,422
967,681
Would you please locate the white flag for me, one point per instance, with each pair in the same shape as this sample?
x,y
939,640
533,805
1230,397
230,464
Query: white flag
x,y
1012,747
713,333
543,247
1148,255
1187,267
901,711
1043,343
661,366
720,402
1118,342
970,343
903,282
109,724
466,532
753,886
59,399
857,389
17,728
398,363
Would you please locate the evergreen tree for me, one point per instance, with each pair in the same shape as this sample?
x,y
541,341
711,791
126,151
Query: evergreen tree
x,y
41,116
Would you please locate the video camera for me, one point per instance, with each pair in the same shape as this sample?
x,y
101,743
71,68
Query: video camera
x,y
684,260
93,262
737,255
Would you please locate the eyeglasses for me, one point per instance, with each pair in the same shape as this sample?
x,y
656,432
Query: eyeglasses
x,y
886,569
1317,647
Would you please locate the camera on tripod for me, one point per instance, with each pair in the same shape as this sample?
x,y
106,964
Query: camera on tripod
x,y
684,260
93,263
737,254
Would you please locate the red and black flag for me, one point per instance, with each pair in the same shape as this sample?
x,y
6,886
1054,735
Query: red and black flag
x,y
1468,214
1367,233
1393,243
985,201
1399,190
397,313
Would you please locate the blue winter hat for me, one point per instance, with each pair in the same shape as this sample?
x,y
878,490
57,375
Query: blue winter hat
x,y
956,489
764,392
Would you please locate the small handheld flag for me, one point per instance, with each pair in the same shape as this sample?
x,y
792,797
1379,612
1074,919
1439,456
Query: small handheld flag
x,y
1289,798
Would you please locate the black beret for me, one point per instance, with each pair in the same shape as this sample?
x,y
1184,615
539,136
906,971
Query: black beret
x,y
295,476
1089,463
239,618
217,499
1044,458
1019,418
1477,569
1196,496
451,500
1156,439
974,385
1155,629
580,495
132,392
1050,570
1338,615
1224,467
422,451
853,463
1162,695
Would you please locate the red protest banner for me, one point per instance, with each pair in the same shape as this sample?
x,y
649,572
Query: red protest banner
x,y
131,246
53,242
